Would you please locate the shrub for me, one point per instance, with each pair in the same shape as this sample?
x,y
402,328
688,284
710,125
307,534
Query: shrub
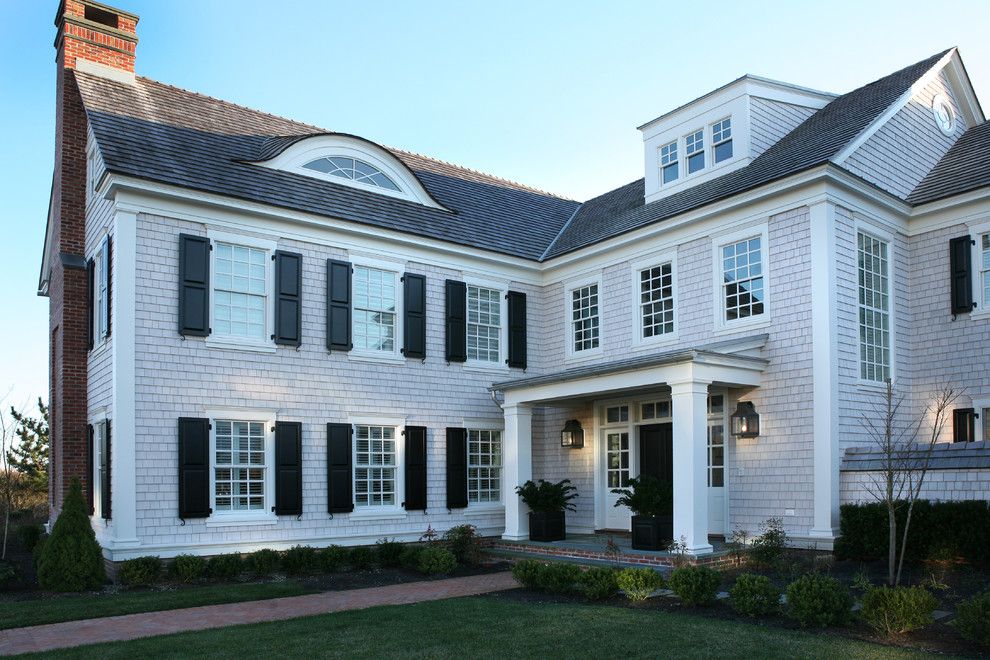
x,y
973,618
224,567
897,610
410,556
187,568
754,595
389,553
547,496
465,543
639,583
598,583
818,600
71,559
299,559
332,559
361,557
140,572
262,562
29,535
767,548
8,571
527,571
436,560
558,577
695,585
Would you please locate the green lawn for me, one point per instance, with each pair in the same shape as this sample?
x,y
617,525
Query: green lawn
x,y
15,614
488,628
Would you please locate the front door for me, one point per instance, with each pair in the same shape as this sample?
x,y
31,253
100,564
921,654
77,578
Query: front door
x,y
656,451
618,460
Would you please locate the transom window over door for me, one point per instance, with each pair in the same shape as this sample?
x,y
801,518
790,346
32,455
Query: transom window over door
x,y
240,283
742,276
484,466
874,308
239,475
375,462
484,323
657,300
585,318
374,309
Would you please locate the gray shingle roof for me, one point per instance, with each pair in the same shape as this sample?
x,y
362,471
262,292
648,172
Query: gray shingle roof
x,y
965,167
945,456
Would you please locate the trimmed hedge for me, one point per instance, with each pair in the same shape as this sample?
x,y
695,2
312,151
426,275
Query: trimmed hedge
x,y
187,568
818,600
140,572
599,583
695,585
436,560
960,528
754,595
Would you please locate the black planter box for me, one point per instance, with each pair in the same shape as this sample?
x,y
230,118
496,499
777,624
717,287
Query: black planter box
x,y
546,526
652,532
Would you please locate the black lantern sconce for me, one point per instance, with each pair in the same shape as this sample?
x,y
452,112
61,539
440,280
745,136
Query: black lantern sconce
x,y
573,435
745,421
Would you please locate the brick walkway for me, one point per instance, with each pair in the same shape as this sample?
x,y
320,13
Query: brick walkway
x,y
148,624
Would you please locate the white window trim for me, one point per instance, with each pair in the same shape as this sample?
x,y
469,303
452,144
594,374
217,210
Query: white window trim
x,y
484,508
99,422
677,161
976,232
731,138
503,335
979,405
265,514
99,328
569,287
722,326
706,140
92,166
657,259
397,268
373,512
888,238
267,345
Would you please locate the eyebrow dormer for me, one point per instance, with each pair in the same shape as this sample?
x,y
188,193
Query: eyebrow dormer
x,y
721,132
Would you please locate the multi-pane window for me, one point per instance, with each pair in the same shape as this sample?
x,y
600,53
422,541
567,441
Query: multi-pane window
x,y
102,277
99,450
654,410
742,279
616,414
374,309
484,465
240,291
985,268
656,299
353,169
716,441
722,140
668,162
484,323
239,472
617,459
874,309
584,317
375,462
694,147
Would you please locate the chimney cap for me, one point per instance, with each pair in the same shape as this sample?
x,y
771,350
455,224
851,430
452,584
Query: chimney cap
x,y
60,14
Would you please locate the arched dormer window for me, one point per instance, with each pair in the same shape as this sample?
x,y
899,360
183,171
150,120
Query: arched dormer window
x,y
351,161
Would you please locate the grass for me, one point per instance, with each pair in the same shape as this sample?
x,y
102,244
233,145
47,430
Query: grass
x,y
19,613
491,628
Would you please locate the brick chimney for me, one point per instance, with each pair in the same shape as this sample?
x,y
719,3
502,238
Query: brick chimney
x,y
98,39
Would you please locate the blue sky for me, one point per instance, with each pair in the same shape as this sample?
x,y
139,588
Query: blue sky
x,y
547,93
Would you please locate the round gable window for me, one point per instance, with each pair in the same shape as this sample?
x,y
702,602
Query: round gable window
x,y
944,116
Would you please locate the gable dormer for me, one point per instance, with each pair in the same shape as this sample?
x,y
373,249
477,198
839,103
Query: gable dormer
x,y
721,132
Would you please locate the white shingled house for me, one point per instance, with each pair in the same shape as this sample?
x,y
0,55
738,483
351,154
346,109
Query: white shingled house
x,y
265,333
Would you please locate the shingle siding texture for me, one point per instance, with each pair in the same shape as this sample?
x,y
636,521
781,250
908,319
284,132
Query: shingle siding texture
x,y
772,120
553,462
944,485
100,222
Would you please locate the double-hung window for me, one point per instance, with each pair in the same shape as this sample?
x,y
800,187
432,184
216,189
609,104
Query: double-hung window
x,y
656,300
240,283
484,324
240,466
585,318
102,287
484,466
376,461
874,308
694,147
375,310
984,285
668,162
722,140
742,286
99,457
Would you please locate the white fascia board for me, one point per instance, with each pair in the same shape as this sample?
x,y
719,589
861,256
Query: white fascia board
x,y
965,94
949,211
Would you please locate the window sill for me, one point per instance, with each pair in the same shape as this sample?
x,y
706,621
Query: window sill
x,y
485,367
584,356
979,313
484,510
241,521
740,326
870,386
234,345
389,514
376,358
654,342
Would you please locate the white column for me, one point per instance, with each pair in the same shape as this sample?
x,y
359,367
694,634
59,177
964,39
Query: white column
x,y
517,468
689,409
824,370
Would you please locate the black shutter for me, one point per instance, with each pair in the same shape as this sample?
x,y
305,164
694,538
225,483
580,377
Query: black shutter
x,y
415,468
194,468
89,468
90,293
194,285
414,324
105,474
288,469
456,321
517,329
963,425
339,497
960,266
109,276
457,492
288,298
338,305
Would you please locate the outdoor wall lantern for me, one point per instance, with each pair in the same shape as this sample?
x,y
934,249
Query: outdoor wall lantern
x,y
745,421
573,435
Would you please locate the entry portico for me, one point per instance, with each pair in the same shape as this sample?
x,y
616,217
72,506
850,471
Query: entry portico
x,y
690,375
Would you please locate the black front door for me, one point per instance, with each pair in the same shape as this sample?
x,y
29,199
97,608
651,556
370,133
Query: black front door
x,y
656,451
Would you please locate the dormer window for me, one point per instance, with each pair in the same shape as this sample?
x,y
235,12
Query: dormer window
x,y
722,140
668,162
694,147
353,169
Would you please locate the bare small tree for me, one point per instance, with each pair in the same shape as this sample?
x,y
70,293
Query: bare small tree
x,y
904,462
7,434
